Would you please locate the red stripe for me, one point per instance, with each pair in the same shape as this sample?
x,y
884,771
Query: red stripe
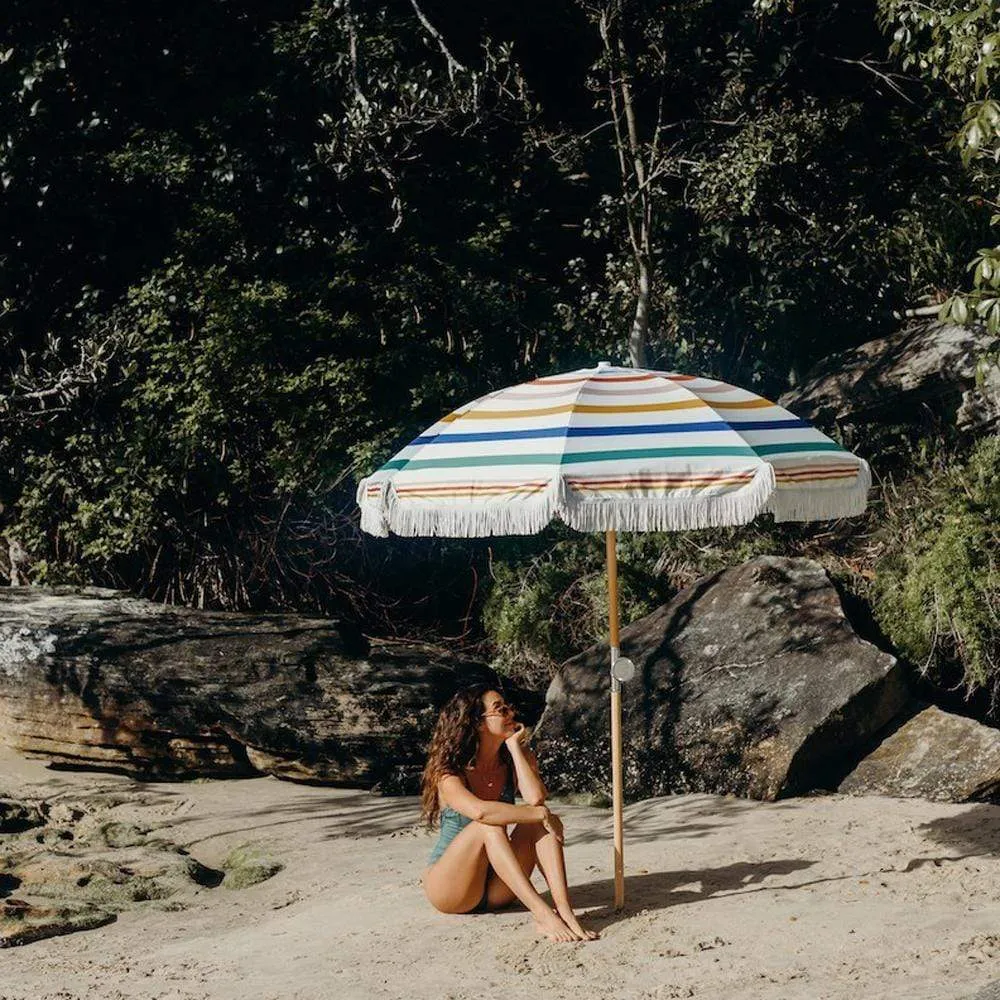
x,y
462,486
816,474
593,378
779,469
662,479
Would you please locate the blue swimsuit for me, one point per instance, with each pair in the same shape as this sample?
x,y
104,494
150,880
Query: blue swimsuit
x,y
453,822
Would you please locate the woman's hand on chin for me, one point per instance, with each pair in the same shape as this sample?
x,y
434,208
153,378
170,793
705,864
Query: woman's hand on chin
x,y
516,738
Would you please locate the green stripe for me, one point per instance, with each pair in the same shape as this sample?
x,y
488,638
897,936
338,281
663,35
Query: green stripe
x,y
782,449
484,461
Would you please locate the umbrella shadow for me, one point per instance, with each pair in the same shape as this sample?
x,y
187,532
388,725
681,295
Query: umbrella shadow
x,y
354,816
976,833
657,701
662,890
652,820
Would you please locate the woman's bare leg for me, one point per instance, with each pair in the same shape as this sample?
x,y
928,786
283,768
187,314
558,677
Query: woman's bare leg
x,y
552,862
525,842
455,882
522,842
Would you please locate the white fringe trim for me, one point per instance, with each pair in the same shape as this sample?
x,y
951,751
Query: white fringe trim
x,y
410,519
384,514
814,503
374,517
681,513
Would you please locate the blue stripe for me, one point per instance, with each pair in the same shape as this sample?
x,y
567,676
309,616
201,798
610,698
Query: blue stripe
x,y
560,432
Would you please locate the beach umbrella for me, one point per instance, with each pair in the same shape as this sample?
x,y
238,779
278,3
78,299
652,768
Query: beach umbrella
x,y
612,449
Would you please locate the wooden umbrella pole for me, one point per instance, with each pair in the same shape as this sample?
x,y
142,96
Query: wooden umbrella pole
x,y
616,723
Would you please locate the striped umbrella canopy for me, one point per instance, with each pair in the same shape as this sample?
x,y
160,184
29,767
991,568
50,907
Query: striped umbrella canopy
x,y
610,449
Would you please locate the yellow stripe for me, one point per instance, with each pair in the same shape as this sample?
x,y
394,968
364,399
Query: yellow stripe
x,y
544,411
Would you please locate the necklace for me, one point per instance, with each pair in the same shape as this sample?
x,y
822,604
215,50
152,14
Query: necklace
x,y
492,781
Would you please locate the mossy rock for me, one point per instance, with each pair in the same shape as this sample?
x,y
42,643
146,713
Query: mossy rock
x,y
248,864
122,834
120,892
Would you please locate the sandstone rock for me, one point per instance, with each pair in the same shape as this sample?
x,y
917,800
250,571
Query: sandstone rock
x,y
923,377
935,755
98,679
750,682
22,922
18,816
108,865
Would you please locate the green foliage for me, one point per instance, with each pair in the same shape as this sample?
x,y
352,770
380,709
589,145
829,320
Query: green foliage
x,y
959,44
936,592
801,198
190,412
544,607
549,600
249,251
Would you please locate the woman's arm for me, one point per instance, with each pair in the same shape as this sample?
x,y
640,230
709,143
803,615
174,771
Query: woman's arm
x,y
456,795
529,781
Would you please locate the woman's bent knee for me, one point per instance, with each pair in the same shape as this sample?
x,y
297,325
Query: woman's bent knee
x,y
488,830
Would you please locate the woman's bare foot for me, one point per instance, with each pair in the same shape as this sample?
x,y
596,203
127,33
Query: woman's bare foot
x,y
551,925
581,932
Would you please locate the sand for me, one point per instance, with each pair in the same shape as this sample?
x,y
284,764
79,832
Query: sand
x,y
815,898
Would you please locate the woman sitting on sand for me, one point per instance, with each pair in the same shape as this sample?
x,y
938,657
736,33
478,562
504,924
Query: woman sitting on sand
x,y
475,763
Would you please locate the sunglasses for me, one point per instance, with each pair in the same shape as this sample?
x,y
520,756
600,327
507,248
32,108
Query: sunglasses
x,y
500,710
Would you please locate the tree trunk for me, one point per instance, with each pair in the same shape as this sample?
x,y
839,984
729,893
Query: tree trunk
x,y
640,322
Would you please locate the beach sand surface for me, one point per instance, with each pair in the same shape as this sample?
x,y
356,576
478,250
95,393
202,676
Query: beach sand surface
x,y
819,898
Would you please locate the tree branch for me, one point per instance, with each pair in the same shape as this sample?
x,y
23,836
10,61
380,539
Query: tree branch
x,y
453,63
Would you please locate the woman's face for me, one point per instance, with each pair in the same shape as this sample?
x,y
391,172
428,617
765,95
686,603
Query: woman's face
x,y
498,716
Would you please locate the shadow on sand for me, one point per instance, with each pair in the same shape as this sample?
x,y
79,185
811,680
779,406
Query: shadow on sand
x,y
974,833
351,815
660,890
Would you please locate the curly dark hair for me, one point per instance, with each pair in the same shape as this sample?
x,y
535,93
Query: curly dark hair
x,y
454,745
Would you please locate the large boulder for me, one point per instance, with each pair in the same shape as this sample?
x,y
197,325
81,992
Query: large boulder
x,y
935,755
750,682
98,679
926,376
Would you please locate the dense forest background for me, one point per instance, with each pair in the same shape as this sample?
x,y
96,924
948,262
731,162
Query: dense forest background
x,y
249,250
